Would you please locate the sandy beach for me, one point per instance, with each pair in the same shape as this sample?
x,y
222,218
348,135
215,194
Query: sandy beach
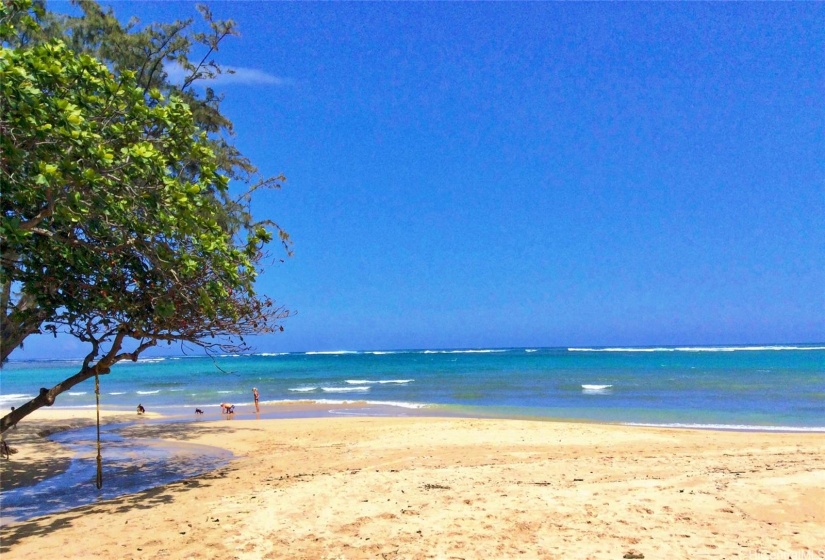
x,y
419,487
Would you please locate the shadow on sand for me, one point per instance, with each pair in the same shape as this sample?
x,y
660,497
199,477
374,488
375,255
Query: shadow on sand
x,y
144,500
144,464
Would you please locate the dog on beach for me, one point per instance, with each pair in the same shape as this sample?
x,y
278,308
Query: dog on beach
x,y
5,450
198,411
140,409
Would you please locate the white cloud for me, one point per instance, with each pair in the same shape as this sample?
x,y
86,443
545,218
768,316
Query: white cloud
x,y
252,76
239,76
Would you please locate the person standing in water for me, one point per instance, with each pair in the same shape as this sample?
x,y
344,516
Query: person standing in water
x,y
256,397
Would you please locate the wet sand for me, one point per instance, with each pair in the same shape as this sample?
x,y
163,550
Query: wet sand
x,y
418,487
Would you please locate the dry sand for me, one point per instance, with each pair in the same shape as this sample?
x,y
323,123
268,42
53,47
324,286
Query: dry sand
x,y
448,488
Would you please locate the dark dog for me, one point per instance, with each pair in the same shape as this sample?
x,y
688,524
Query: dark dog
x,y
198,411
140,409
5,450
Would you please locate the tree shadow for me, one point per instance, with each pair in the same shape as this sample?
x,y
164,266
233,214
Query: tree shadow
x,y
13,533
185,462
39,458
36,457
20,473
45,525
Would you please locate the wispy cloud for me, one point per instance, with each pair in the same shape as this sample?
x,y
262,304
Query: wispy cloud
x,y
238,76
251,76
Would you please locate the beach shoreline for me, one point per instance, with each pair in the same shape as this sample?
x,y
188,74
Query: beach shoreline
x,y
434,487
771,387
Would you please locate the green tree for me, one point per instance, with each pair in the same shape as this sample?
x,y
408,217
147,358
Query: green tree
x,y
117,223
148,51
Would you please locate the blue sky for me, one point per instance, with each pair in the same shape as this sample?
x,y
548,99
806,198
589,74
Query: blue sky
x,y
534,174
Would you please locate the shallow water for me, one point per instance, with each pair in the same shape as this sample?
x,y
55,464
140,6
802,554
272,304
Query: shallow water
x,y
133,462
130,465
775,387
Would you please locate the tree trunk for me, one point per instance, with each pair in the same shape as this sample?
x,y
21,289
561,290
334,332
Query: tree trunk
x,y
47,396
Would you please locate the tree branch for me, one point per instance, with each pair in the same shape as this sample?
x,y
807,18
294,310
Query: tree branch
x,y
46,397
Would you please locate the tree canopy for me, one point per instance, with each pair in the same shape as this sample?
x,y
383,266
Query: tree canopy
x,y
118,225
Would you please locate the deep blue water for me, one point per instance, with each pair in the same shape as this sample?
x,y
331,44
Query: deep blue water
x,y
767,387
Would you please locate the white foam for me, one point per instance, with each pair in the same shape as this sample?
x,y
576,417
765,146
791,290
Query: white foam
x,y
345,389
76,407
331,353
76,393
530,350
148,392
140,361
14,397
696,349
303,389
270,354
398,404
484,351
734,427
597,389
118,393
379,382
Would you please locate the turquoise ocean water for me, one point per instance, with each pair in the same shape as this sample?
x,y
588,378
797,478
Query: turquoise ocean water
x,y
768,388
738,387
